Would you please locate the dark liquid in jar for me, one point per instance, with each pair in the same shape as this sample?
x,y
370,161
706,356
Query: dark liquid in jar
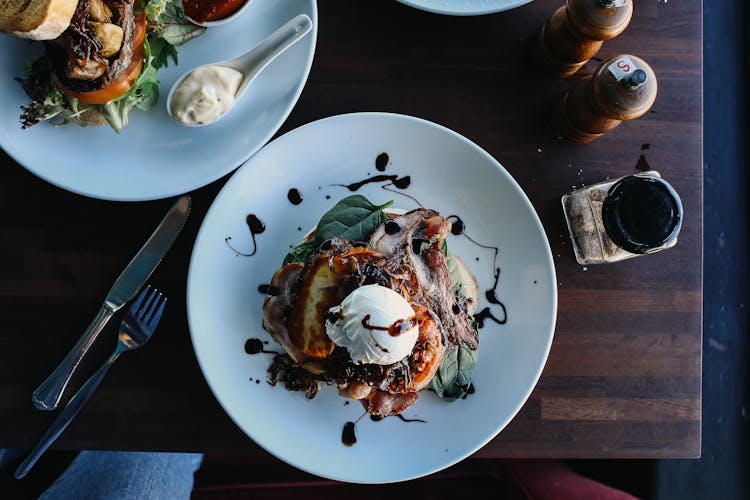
x,y
640,214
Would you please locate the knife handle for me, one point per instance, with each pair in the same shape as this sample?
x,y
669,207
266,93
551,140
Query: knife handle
x,y
47,395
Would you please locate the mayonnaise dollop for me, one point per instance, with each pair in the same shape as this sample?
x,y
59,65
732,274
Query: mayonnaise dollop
x,y
205,95
362,323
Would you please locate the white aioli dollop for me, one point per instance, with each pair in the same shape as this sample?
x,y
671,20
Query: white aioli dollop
x,y
206,94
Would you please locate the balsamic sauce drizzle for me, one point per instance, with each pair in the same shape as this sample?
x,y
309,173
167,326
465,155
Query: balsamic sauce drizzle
x,y
399,182
255,226
255,346
459,228
386,187
376,418
394,330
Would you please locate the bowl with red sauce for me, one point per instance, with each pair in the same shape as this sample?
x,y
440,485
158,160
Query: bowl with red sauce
x,y
214,12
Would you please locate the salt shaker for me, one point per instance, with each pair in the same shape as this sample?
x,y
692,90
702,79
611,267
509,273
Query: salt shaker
x,y
576,31
616,220
622,88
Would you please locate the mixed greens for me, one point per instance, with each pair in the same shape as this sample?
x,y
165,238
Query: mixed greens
x,y
167,28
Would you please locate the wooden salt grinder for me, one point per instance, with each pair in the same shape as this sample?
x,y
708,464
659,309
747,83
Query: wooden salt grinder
x,y
575,32
622,88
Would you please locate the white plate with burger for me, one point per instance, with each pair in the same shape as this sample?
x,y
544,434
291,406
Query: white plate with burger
x,y
151,156
464,7
371,297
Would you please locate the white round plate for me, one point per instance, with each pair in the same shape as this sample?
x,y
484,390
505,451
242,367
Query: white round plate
x,y
448,173
464,7
154,157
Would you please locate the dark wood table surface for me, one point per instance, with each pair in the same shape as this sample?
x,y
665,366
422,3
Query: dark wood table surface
x,y
623,378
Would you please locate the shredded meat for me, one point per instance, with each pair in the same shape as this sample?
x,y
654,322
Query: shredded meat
x,y
416,246
76,56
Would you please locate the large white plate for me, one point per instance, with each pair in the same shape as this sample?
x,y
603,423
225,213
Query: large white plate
x,y
464,7
449,173
154,157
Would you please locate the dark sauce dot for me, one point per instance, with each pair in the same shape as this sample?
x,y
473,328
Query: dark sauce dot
x,y
642,164
299,229
294,197
392,227
255,224
381,162
349,435
328,197
257,381
535,282
346,403
645,147
477,259
268,289
253,346
457,225
469,391
403,182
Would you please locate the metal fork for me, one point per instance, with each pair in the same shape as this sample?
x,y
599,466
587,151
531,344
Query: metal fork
x,y
136,328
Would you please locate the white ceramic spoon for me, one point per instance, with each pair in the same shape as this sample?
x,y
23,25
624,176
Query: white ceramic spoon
x,y
253,62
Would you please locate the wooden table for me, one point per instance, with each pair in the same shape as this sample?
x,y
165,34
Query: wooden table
x,y
624,375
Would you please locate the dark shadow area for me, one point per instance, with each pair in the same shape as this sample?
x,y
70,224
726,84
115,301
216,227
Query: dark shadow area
x,y
721,472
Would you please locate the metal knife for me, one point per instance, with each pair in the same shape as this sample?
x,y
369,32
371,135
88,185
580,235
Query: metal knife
x,y
47,395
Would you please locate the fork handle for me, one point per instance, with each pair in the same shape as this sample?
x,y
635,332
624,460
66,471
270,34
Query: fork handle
x,y
67,414
47,395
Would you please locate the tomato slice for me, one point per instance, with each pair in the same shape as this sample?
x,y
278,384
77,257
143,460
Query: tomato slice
x,y
122,83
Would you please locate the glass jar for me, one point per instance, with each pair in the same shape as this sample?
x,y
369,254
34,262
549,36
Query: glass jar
x,y
623,218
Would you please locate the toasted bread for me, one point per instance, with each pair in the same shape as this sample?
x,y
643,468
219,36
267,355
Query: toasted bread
x,y
36,19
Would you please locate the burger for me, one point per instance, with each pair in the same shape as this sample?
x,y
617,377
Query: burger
x,y
101,56
373,302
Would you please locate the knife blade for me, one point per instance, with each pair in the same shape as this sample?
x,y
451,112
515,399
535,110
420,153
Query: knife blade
x,y
47,396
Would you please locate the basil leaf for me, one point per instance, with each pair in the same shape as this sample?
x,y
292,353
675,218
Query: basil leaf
x,y
300,252
353,218
453,376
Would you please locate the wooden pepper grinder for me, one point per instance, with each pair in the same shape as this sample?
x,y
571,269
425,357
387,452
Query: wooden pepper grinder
x,y
622,88
576,31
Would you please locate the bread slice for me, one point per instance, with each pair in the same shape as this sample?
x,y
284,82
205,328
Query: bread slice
x,y
36,19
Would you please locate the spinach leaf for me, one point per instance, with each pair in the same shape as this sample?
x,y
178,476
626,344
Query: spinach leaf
x,y
300,252
453,377
353,218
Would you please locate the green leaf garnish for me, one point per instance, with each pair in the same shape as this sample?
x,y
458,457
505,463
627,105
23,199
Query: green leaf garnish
x,y
453,377
353,218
